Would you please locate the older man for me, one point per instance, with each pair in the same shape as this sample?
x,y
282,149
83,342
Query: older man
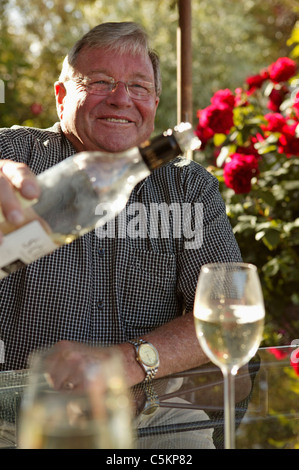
x,y
108,291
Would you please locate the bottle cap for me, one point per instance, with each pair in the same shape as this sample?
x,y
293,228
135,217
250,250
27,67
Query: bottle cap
x,y
185,137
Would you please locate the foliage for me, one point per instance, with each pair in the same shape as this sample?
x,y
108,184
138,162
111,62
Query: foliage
x,y
36,34
250,139
39,35
233,38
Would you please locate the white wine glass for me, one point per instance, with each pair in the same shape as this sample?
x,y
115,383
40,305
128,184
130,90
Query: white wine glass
x,y
96,416
229,320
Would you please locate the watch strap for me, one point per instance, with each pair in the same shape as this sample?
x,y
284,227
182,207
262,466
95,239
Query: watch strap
x,y
137,342
152,402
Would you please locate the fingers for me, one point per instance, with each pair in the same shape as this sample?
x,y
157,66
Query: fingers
x,y
76,366
66,366
13,176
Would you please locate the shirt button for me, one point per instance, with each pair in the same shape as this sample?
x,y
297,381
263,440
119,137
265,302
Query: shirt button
x,y
100,304
101,251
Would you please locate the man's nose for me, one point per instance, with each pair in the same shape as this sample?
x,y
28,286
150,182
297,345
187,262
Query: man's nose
x,y
119,94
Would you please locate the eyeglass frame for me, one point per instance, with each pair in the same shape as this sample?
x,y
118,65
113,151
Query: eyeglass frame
x,y
112,85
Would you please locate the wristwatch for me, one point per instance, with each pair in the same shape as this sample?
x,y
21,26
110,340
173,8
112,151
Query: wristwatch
x,y
147,356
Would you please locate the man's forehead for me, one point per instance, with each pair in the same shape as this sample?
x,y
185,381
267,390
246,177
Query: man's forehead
x,y
104,60
104,72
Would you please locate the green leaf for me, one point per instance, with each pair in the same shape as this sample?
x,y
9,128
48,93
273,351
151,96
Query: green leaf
x,y
294,38
267,197
268,89
279,192
290,185
259,235
270,238
295,52
271,268
224,153
219,139
286,104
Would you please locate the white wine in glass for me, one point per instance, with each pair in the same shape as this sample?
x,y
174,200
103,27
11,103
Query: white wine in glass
x,y
229,320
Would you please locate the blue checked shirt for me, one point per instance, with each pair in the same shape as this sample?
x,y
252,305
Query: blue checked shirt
x,y
108,289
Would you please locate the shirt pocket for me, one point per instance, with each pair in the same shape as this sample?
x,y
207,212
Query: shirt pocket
x,y
148,291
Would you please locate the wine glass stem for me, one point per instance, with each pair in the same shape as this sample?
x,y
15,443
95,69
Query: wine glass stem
x,y
229,409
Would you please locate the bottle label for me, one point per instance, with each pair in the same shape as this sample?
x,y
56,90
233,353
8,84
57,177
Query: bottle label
x,y
23,246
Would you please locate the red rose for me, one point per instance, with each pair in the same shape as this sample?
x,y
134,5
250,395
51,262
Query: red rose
x,y
278,353
217,118
288,142
257,138
296,104
281,70
238,172
248,150
204,134
276,97
223,97
256,81
276,122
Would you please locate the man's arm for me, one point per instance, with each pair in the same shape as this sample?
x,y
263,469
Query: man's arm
x,y
177,345
175,341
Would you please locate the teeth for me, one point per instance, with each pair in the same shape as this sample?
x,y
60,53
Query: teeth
x,y
117,120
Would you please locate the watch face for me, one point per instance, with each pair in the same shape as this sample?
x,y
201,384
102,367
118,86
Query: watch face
x,y
148,355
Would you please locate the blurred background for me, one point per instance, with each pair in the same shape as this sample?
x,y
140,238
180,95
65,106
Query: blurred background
x,y
230,40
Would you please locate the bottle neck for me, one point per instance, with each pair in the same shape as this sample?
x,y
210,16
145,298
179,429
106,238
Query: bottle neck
x,y
160,150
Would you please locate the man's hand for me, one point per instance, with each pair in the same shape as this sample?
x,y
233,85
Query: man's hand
x,y
15,176
68,362
71,366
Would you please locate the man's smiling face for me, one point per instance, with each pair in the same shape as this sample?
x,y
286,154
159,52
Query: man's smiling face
x,y
114,122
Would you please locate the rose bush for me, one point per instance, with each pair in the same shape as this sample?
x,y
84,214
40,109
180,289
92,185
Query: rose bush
x,y
250,142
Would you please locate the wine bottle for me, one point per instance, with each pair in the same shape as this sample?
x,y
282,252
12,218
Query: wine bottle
x,y
72,190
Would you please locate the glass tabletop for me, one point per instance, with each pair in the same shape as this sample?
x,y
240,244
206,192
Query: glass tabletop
x,y
266,410
272,418
191,406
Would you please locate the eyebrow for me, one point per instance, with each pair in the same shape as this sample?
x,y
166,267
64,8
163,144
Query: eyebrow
x,y
139,75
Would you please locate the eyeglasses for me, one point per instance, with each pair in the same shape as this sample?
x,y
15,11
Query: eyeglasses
x,y
136,89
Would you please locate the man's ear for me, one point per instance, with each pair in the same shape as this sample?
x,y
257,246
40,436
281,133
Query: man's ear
x,y
60,93
157,102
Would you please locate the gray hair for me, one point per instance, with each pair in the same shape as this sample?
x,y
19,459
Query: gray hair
x,y
121,37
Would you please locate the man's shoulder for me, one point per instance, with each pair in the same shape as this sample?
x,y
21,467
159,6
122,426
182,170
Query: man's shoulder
x,y
180,180
24,132
38,148
184,168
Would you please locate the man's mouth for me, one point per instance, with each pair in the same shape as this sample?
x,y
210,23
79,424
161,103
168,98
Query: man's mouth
x,y
123,121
